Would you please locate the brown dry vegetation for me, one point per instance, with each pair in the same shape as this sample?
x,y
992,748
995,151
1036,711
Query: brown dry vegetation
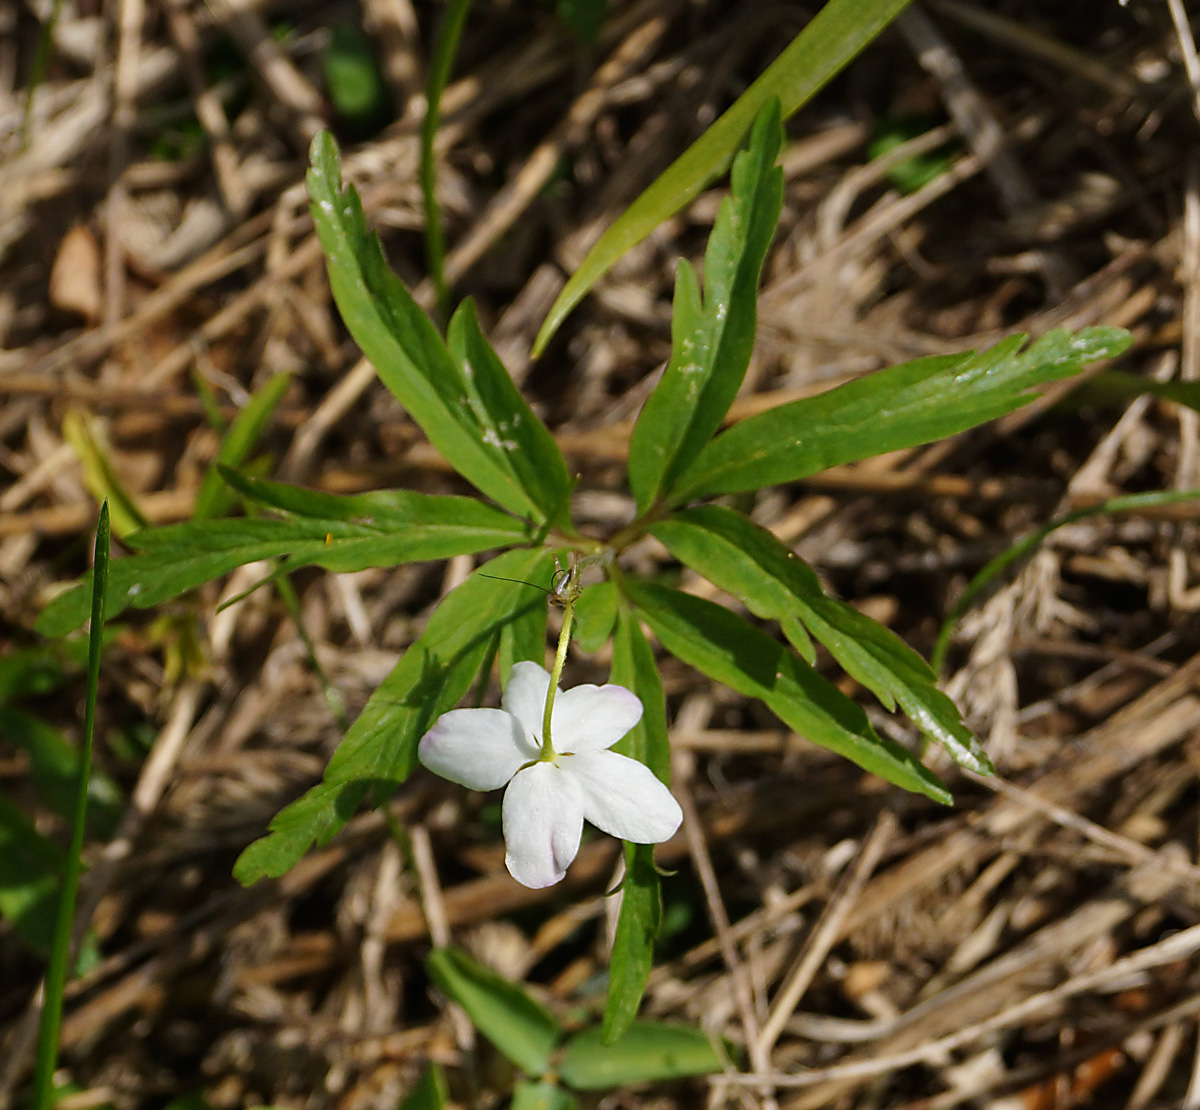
x,y
840,934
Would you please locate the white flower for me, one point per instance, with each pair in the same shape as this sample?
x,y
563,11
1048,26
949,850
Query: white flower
x,y
548,799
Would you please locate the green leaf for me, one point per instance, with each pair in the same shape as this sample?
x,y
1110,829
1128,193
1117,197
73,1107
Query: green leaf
x,y
379,750
641,891
335,532
214,498
838,32
730,650
650,1051
528,1095
354,79
773,582
584,17
520,1027
429,1092
711,341
54,765
29,673
903,406
86,436
523,638
401,341
595,615
31,868
506,420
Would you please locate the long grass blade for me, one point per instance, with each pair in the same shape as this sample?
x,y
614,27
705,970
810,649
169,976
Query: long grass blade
x,y
60,953
439,76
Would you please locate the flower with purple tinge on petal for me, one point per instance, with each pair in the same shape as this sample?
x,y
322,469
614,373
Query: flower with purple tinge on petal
x,y
548,798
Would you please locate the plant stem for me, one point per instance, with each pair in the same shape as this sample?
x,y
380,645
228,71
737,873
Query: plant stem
x,y
560,659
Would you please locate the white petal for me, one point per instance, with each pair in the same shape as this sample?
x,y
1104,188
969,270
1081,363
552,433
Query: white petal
x,y
543,821
478,748
592,718
525,696
623,797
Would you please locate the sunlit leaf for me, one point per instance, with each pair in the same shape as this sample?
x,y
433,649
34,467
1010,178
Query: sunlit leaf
x,y
835,35
649,1051
752,565
711,339
379,751
519,1026
903,406
732,651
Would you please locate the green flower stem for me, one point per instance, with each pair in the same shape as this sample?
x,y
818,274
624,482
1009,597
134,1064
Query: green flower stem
x,y
560,659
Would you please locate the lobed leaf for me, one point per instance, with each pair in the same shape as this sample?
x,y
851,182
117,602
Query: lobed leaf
x,y
773,582
379,750
732,651
711,341
903,406
339,533
519,1026
409,354
506,420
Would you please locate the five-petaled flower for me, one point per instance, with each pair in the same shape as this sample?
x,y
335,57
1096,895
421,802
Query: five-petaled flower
x,y
550,794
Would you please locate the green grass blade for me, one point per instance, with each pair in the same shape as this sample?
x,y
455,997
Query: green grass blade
x,y
60,954
444,52
838,32
1029,543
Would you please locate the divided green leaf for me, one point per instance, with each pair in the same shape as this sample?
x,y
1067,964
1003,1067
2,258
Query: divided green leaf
x,y
773,582
903,406
379,750
711,339
479,428
732,651
337,532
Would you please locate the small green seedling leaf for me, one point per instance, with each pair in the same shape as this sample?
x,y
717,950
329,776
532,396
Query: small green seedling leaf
x,y
711,340
54,765
379,750
903,406
528,1095
429,1092
214,498
355,80
650,1051
520,1027
773,582
732,651
31,868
